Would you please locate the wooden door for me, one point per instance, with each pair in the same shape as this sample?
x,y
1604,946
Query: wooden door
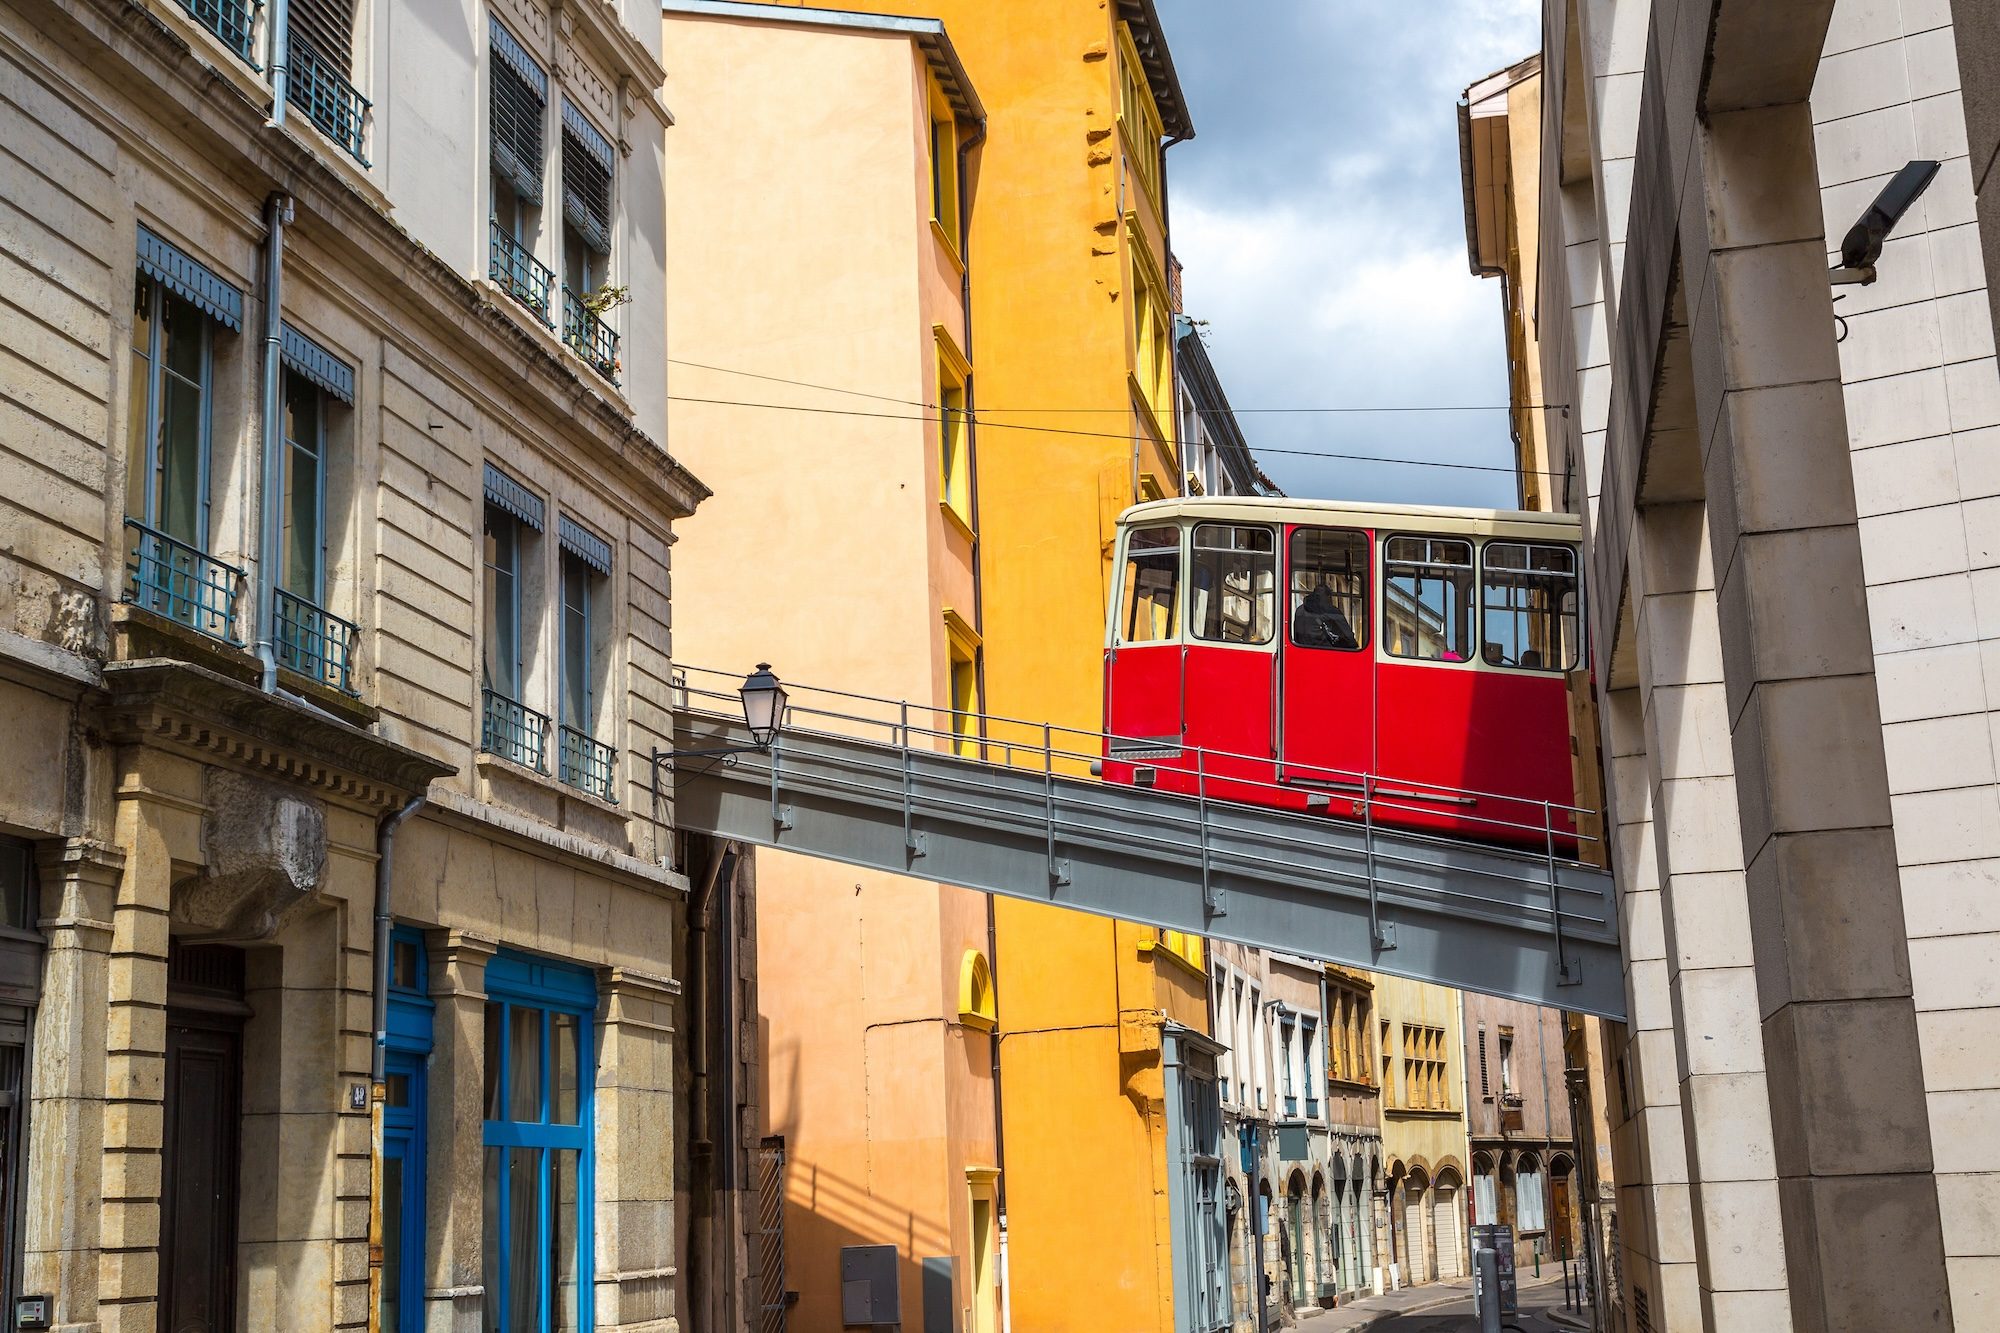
x,y
198,1199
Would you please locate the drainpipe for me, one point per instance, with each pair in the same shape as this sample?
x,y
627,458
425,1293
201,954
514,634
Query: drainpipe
x,y
385,861
281,59
277,214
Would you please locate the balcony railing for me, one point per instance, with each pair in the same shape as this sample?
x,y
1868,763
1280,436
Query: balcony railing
x,y
172,579
327,98
587,764
316,643
233,21
518,273
589,336
514,732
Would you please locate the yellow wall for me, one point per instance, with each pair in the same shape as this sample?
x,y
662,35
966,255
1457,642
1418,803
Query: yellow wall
x,y
800,248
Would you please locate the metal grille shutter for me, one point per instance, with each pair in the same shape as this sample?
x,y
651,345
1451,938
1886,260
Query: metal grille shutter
x,y
519,105
327,26
586,179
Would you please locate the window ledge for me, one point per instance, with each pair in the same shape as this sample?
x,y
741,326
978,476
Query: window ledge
x,y
347,707
957,521
488,762
1159,949
977,1021
138,633
949,244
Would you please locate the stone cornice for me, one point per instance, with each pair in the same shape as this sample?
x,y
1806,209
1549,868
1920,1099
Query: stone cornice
x,y
198,712
443,307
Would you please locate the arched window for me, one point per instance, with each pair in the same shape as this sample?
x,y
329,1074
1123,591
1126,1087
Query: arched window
x,y
976,1008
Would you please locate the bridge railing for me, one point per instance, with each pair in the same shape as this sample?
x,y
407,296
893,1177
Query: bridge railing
x,y
1530,877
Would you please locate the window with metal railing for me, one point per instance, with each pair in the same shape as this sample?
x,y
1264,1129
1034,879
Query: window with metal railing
x,y
233,21
172,579
317,87
589,336
587,764
513,731
315,643
514,269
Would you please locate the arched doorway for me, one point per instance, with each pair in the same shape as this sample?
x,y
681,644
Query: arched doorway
x,y
1422,1266
1395,1233
1485,1189
1447,1224
1562,1208
1239,1280
1264,1245
1326,1243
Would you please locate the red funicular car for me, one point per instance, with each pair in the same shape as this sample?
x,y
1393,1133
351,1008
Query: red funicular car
x,y
1306,654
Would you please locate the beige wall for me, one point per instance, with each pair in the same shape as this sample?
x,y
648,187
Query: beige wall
x,y
801,249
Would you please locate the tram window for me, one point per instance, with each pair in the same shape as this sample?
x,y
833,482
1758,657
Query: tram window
x,y
1427,598
1329,571
1152,585
1234,592
1527,606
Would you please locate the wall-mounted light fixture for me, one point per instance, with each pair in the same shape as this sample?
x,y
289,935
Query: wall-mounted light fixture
x,y
763,698
1862,245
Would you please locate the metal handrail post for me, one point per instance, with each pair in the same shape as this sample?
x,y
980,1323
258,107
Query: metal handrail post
x,y
1057,876
1211,901
903,747
1555,893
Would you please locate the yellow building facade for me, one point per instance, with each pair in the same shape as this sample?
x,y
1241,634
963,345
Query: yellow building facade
x,y
816,262
1420,1048
1071,400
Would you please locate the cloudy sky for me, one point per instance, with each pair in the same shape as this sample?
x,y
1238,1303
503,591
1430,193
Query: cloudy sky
x,y
1319,216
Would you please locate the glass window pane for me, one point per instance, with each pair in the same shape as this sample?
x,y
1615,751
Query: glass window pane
x,y
524,1063
502,662
1152,585
494,1012
563,1236
576,643
1329,588
563,1062
406,965
491,1238
138,401
1528,607
524,1240
396,1090
392,1243
17,884
305,482
1427,598
179,513
1233,588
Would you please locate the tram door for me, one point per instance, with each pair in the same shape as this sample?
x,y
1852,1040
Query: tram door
x,y
1232,600
1143,693
1329,666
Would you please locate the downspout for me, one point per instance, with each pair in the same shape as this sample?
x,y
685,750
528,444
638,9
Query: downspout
x,y
281,59
385,861
271,491
972,141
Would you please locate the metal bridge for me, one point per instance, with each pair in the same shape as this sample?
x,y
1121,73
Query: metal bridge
x,y
1014,808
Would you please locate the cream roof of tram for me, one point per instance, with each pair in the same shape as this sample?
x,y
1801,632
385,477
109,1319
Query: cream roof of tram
x,y
1428,518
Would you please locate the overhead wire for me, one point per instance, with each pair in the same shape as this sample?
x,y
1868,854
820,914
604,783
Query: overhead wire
x,y
979,418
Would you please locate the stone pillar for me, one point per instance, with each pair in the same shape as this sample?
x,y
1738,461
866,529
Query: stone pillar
x,y
635,1138
454,1299
1717,1047
301,1172
64,1180
1859,1205
135,1072
1648,1140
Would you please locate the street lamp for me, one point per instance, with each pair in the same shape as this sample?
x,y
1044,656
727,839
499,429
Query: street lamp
x,y
763,705
763,713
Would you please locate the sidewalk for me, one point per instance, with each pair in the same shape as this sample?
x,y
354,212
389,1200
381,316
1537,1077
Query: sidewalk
x,y
1370,1310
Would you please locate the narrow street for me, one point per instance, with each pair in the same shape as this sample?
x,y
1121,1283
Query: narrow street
x,y
1431,1310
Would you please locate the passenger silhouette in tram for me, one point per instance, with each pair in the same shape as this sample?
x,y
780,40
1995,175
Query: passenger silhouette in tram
x,y
1531,659
1318,622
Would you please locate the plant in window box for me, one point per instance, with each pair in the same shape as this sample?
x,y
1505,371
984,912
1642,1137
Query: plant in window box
x,y
605,300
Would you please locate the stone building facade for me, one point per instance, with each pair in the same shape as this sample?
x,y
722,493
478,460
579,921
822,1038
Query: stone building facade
x,y
336,523
1788,505
1301,1132
1420,1053
1517,1126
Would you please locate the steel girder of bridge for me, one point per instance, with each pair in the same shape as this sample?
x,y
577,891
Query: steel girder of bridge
x,y
1482,918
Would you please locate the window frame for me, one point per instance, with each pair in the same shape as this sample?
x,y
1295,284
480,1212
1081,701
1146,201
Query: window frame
x,y
291,380
521,981
405,1129
568,563
943,152
517,641
1135,99
1574,597
153,423
1190,564
954,422
1470,650
1360,628
1124,618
